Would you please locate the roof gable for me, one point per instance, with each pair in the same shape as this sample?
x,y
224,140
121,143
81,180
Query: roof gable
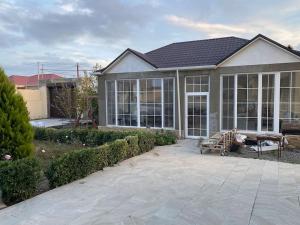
x,y
129,61
260,50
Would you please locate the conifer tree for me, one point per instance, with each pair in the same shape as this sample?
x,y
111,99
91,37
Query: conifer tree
x,y
16,133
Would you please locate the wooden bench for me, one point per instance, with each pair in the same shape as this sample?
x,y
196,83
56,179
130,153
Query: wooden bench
x,y
221,142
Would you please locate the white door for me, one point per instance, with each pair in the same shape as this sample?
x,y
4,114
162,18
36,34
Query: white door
x,y
196,115
267,102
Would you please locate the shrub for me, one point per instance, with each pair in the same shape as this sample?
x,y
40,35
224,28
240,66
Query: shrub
x,y
78,164
15,130
146,141
165,138
133,146
72,166
19,179
117,151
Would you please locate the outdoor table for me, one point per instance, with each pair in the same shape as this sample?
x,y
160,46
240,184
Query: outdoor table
x,y
270,137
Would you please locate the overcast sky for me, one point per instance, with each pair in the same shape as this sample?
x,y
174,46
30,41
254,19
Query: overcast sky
x,y
59,33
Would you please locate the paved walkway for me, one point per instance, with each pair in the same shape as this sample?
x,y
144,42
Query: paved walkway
x,y
172,185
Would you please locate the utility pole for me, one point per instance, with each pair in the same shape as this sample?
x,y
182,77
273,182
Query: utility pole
x,y
77,69
38,72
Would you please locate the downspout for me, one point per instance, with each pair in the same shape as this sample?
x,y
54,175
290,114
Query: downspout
x,y
179,105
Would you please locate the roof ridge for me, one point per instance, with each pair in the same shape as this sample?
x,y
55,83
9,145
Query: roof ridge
x,y
209,39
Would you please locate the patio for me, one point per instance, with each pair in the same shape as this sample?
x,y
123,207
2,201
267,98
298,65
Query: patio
x,y
172,185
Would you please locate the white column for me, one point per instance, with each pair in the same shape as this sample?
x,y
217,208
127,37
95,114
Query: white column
x,y
276,102
138,102
235,99
259,102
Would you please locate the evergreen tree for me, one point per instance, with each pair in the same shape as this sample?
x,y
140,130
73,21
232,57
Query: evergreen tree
x,y
16,133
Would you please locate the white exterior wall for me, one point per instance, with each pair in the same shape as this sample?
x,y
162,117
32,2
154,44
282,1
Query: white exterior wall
x,y
130,63
260,52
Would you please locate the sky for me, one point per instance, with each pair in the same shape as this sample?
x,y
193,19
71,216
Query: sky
x,y
60,33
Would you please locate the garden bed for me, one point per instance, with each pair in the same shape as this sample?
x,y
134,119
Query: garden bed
x,y
65,155
288,155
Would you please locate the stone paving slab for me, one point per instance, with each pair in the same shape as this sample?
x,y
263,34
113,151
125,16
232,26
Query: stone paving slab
x,y
171,185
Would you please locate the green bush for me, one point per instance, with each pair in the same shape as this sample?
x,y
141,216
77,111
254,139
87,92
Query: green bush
x,y
117,151
78,164
146,141
133,146
19,179
88,137
165,138
72,166
15,130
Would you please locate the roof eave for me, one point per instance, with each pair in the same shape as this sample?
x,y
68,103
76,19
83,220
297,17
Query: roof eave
x,y
187,68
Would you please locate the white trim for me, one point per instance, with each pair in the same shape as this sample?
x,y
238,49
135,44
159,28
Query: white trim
x,y
106,116
235,99
276,102
186,95
123,55
276,112
187,68
178,103
250,43
116,102
138,103
162,103
259,102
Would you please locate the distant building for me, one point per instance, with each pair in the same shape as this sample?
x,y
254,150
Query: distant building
x,y
39,93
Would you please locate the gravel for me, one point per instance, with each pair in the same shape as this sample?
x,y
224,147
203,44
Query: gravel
x,y
288,155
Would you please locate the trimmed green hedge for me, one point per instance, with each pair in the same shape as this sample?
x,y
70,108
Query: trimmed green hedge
x,y
133,146
78,164
19,179
94,137
165,138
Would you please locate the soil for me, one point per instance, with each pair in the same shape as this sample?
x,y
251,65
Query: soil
x,y
288,155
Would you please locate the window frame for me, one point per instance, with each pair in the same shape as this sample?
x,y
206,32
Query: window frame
x,y
139,103
276,119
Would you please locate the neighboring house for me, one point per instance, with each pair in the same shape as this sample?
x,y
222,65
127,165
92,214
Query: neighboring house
x,y
39,91
201,87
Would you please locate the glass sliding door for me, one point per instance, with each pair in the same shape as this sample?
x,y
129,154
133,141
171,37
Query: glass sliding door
x,y
197,115
196,106
247,102
267,103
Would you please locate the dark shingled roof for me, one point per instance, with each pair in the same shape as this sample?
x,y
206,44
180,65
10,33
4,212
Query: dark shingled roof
x,y
195,53
206,52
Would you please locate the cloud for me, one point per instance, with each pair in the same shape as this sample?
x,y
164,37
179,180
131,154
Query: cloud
x,y
279,32
212,29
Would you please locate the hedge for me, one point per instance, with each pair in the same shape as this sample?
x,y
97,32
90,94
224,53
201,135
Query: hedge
x,y
94,137
133,146
78,164
19,179
165,138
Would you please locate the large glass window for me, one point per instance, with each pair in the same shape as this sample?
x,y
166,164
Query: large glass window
x,y
247,97
267,107
127,102
150,103
155,102
111,102
168,102
228,103
289,96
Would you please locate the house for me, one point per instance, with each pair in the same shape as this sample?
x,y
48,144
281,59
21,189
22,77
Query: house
x,y
201,87
39,92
